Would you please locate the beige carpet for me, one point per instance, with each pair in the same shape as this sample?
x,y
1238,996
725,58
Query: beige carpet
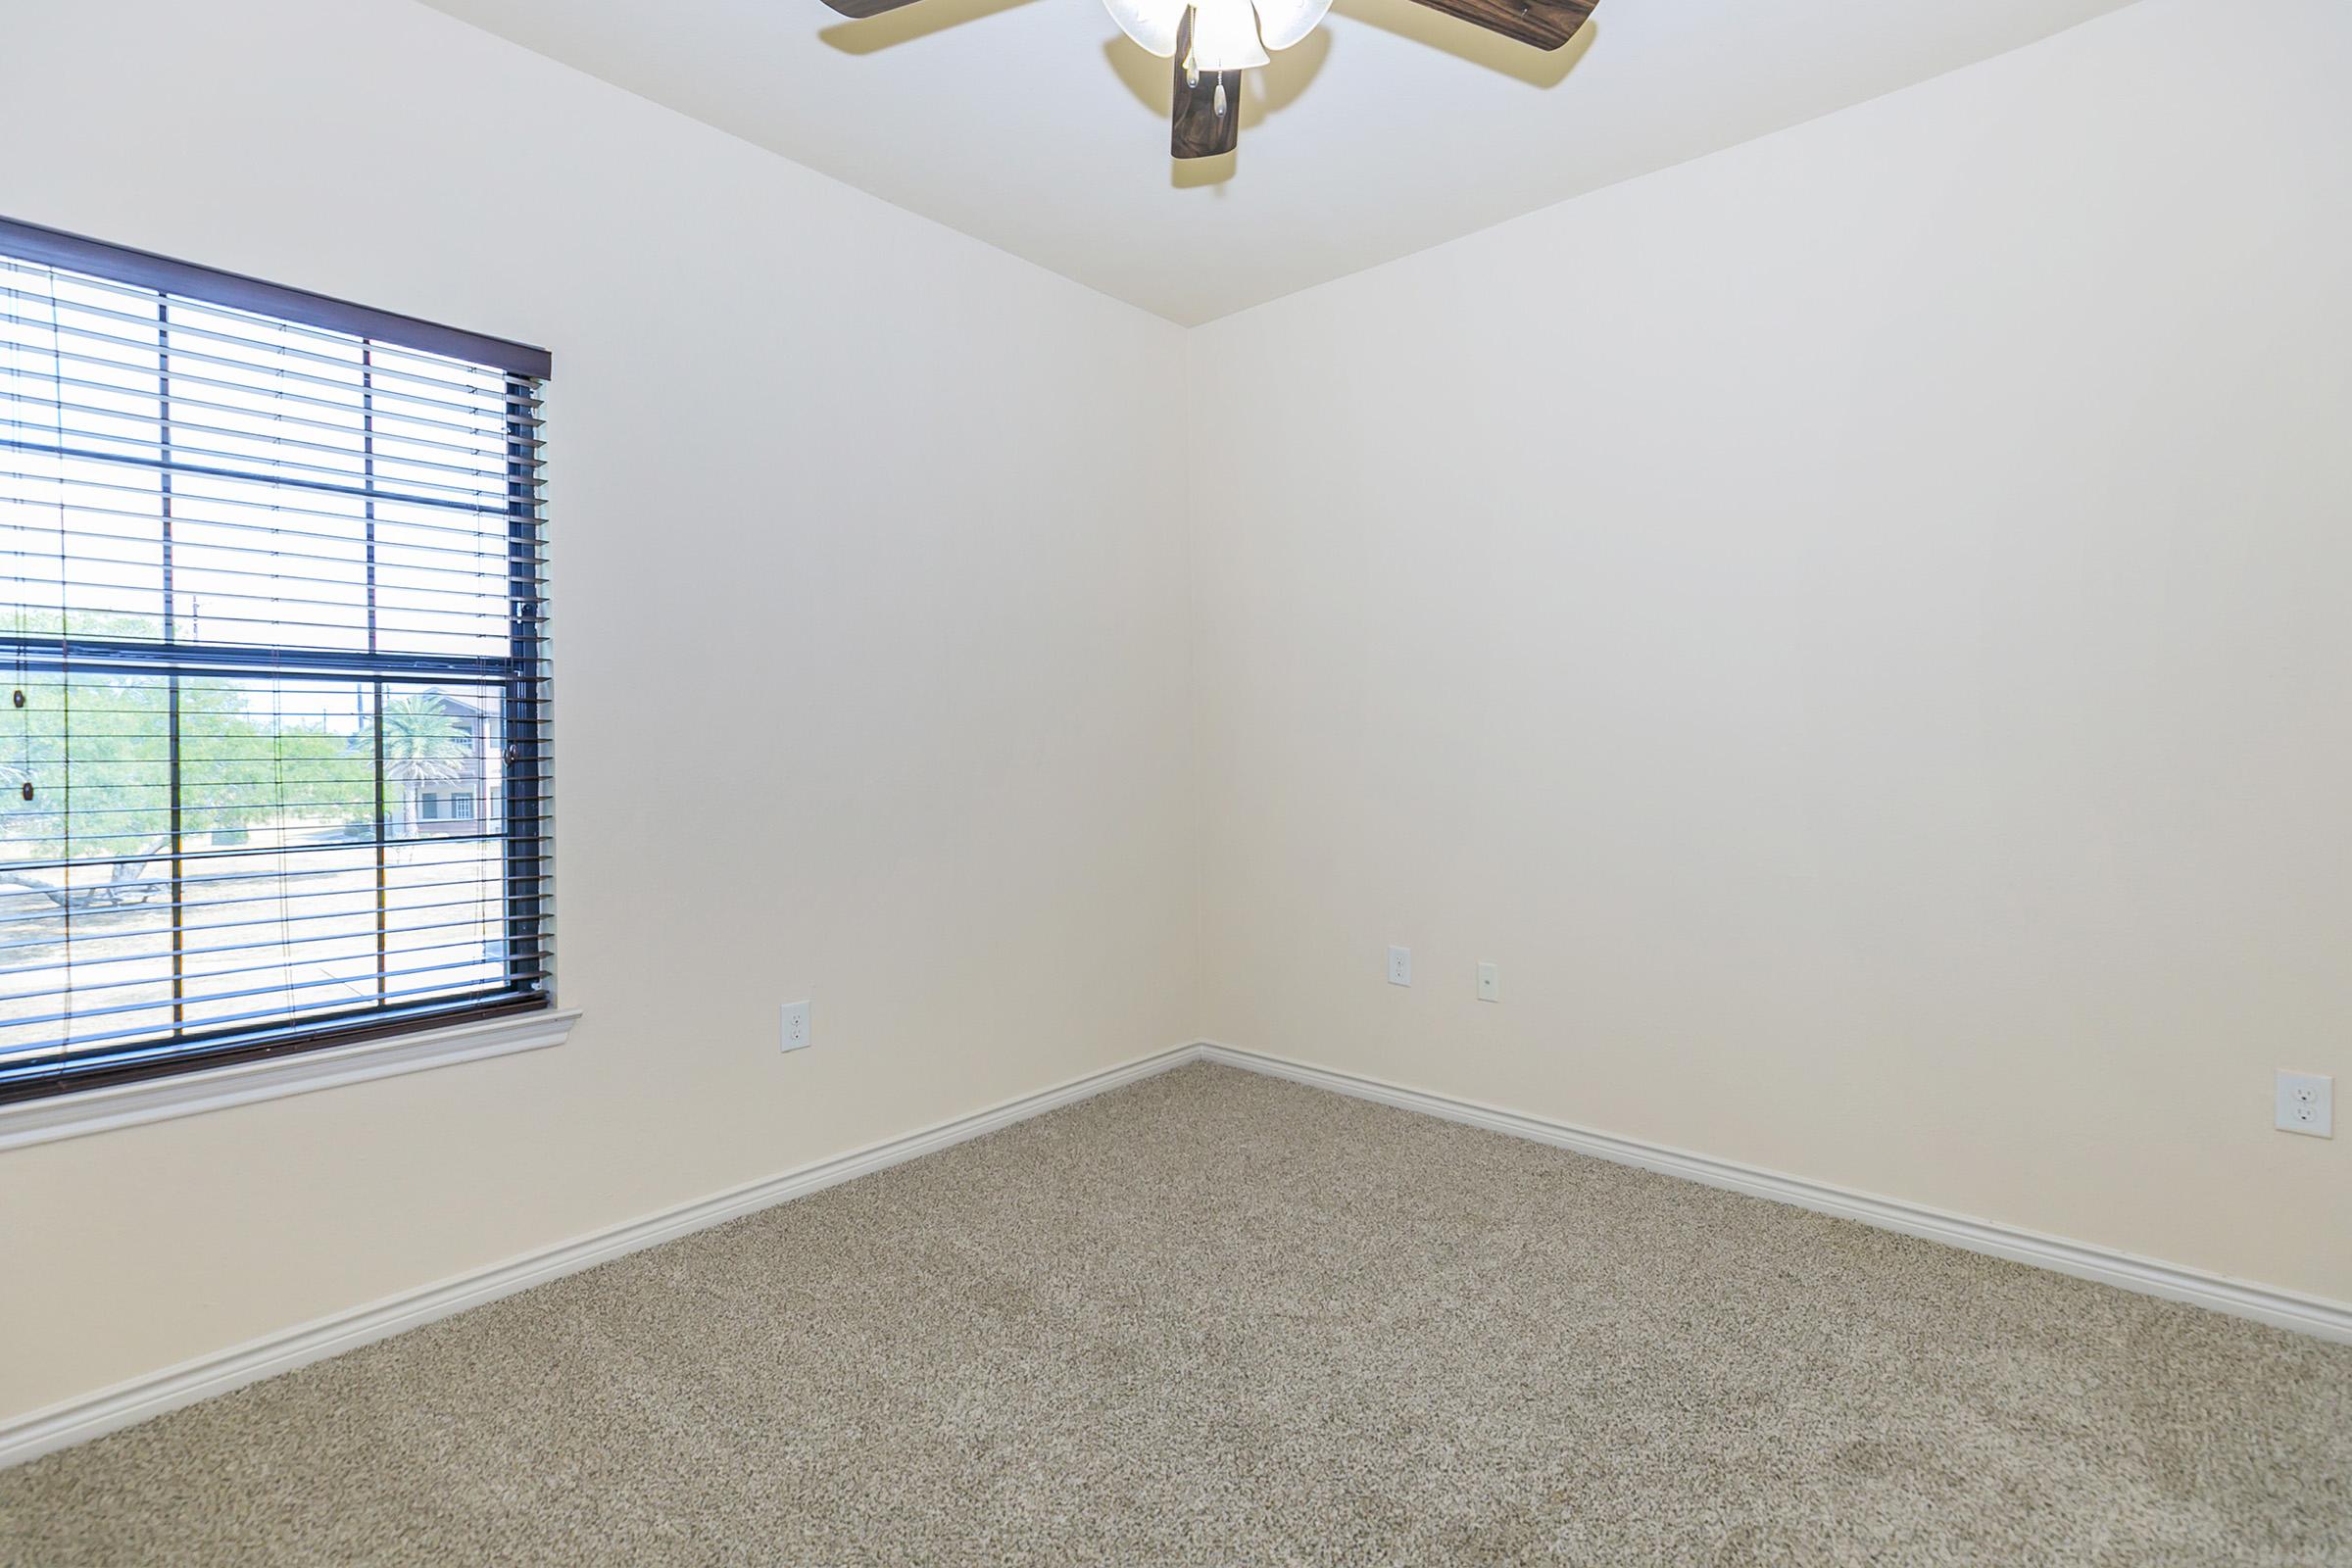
x,y
1215,1318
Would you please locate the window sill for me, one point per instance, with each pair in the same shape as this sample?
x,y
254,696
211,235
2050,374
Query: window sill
x,y
97,1110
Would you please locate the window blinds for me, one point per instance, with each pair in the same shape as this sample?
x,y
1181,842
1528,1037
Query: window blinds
x,y
274,759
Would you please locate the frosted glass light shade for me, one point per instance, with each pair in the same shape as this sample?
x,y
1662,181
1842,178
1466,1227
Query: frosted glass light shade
x,y
1226,34
1149,23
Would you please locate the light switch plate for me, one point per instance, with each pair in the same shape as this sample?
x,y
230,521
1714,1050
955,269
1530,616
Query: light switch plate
x,y
1489,983
2307,1104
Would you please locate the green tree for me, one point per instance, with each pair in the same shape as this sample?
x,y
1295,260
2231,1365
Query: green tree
x,y
96,749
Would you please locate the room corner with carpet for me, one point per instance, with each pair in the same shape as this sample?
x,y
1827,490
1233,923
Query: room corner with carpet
x,y
1578,801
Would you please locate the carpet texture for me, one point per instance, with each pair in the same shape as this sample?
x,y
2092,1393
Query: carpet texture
x,y
1217,1318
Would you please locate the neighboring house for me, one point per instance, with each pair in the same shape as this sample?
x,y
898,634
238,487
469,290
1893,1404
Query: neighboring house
x,y
462,804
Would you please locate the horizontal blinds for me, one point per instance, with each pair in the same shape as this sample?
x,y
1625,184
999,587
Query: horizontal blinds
x,y
273,763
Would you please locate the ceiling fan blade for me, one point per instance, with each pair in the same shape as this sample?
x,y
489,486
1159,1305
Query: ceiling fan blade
x,y
1544,23
859,10
1195,127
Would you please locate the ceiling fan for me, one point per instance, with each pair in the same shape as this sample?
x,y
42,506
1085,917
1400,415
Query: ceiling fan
x,y
1212,40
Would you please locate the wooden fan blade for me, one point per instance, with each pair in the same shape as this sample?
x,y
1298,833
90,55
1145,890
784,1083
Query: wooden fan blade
x,y
1195,127
859,10
1546,24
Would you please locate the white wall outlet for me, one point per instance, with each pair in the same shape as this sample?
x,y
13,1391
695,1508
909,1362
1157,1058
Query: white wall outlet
x,y
796,1025
2307,1104
1489,983
1400,967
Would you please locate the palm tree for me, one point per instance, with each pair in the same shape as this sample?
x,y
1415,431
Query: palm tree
x,y
424,743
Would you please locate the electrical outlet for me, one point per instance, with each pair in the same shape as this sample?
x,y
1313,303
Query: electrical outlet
x,y
1400,967
1489,983
796,1025
2307,1104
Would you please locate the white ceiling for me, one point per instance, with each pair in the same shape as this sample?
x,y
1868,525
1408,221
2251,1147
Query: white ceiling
x,y
1036,126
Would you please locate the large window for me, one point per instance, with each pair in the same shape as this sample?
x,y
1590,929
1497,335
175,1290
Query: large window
x,y
270,582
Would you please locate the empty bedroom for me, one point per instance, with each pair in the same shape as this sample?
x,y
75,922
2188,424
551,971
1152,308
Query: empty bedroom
x,y
1191,782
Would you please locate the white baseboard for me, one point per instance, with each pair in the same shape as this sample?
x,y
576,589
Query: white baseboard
x,y
126,1403
2288,1309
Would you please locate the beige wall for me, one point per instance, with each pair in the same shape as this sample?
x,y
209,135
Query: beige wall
x,y
1856,627
901,496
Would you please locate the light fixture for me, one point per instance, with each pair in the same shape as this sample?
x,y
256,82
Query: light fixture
x,y
1212,39
1226,35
